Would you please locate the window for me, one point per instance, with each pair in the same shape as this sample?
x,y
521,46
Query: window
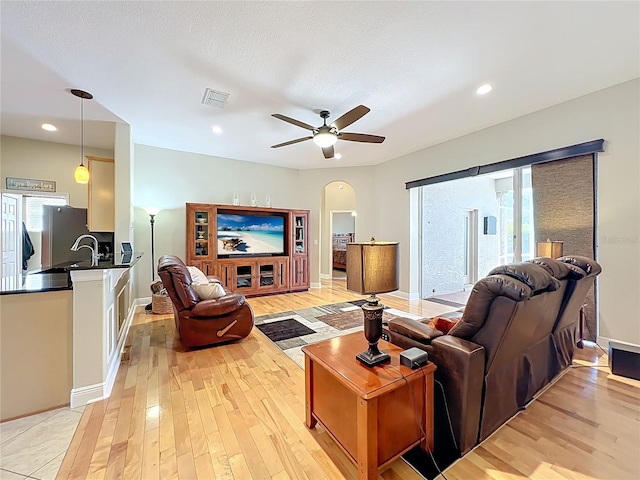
x,y
516,227
33,210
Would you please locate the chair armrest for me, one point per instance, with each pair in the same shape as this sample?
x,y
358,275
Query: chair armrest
x,y
461,366
414,329
218,306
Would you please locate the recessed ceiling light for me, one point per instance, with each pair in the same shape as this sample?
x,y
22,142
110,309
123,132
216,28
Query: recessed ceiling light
x,y
216,129
484,89
48,127
337,156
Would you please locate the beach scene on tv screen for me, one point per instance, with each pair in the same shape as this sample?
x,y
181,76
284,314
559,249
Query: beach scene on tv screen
x,y
250,235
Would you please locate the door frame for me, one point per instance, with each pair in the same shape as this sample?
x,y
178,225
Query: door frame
x,y
331,212
471,242
18,199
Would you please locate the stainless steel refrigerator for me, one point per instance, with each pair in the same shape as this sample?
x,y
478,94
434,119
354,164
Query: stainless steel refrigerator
x,y
61,226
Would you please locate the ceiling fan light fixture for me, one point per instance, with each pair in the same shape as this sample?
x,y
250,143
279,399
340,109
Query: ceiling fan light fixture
x,y
325,139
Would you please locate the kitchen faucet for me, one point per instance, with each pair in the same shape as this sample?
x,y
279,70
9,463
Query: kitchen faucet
x,y
94,250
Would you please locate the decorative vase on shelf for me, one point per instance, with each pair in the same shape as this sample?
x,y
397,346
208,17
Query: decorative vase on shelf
x,y
253,199
236,199
268,199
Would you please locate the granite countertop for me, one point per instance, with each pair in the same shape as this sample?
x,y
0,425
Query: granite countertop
x,y
57,277
117,260
45,282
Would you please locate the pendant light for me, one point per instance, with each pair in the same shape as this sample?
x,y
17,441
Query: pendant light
x,y
82,173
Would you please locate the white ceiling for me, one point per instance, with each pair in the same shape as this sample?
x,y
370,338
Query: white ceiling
x,y
415,64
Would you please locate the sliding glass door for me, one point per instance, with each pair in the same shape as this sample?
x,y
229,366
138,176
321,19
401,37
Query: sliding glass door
x,y
516,226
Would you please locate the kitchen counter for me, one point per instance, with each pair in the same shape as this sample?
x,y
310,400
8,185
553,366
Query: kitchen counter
x,y
117,260
57,277
45,282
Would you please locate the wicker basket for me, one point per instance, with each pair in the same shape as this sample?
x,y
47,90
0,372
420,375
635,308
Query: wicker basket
x,y
161,304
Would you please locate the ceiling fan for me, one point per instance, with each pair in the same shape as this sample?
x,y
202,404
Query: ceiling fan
x,y
326,136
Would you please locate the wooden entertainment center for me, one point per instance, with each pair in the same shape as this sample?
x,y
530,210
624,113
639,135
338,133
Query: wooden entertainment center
x,y
243,263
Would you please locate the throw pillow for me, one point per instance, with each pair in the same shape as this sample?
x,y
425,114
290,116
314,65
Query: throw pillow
x,y
197,275
207,291
442,324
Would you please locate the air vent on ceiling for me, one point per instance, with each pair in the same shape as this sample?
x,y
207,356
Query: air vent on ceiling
x,y
214,98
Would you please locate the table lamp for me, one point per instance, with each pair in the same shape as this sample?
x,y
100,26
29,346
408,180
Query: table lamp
x,y
549,249
372,267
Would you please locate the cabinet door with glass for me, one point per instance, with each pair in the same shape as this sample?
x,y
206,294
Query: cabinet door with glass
x,y
299,227
272,274
200,232
299,274
245,277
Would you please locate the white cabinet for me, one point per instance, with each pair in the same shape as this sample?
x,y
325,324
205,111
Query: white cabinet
x,y
101,215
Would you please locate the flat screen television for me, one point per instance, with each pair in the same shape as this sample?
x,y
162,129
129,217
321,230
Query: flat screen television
x,y
250,235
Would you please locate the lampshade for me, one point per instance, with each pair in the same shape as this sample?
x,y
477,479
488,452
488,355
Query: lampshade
x,y
81,174
550,249
152,210
325,139
372,267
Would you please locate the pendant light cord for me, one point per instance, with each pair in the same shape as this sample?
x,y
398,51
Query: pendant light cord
x,y
82,130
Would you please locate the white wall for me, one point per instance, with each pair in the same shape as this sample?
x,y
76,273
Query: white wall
x,y
169,179
444,207
344,222
24,158
612,114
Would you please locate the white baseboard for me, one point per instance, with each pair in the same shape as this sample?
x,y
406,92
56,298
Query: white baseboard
x,y
617,344
405,295
84,395
142,301
315,285
326,276
99,391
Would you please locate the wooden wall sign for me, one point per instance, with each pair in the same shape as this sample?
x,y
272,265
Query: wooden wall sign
x,y
31,184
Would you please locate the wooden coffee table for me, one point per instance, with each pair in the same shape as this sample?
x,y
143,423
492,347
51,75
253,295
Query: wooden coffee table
x,y
369,412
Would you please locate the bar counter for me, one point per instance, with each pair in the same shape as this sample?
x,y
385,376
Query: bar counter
x,y
57,277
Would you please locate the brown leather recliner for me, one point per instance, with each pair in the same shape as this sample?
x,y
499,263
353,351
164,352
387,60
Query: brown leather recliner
x,y
508,343
203,322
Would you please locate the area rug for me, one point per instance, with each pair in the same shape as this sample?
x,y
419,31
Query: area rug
x,y
323,322
284,329
329,321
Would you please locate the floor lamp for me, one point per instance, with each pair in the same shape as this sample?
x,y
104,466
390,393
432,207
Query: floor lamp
x,y
152,211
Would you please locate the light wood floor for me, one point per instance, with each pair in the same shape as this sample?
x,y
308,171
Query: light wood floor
x,y
237,412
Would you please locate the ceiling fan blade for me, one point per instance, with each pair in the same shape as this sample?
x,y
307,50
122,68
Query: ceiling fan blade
x,y
360,137
351,116
291,142
328,152
293,121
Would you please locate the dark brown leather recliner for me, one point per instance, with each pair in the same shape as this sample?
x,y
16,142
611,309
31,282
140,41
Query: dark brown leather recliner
x,y
203,322
506,345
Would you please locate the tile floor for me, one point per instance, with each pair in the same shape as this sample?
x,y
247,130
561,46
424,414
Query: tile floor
x,y
33,447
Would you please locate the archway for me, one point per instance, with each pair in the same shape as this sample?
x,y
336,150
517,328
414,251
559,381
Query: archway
x,y
338,225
